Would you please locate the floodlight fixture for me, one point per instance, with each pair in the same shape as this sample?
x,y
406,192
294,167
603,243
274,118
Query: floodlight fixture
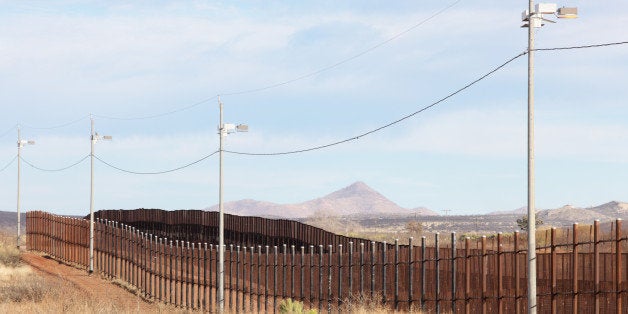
x,y
567,13
242,128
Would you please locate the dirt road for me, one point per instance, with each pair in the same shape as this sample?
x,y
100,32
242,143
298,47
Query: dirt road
x,y
94,285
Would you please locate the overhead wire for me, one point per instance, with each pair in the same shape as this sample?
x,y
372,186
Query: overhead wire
x,y
390,123
274,85
53,170
159,114
9,164
155,172
55,126
7,132
403,118
583,46
428,106
343,61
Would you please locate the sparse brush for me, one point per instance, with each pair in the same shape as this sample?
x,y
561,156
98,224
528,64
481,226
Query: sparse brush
x,y
9,255
25,290
288,306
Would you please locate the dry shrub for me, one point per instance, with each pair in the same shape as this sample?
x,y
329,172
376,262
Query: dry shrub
x,y
9,256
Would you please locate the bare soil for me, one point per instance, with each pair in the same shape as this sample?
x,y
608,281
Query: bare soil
x,y
97,287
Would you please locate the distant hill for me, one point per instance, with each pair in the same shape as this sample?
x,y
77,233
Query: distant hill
x,y
8,220
357,198
569,214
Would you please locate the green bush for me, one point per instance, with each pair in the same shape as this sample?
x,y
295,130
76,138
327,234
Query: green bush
x,y
293,307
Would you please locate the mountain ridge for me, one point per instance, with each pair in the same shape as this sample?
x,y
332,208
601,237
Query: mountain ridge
x,y
356,198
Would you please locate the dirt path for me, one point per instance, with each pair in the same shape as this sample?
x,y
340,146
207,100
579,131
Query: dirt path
x,y
94,285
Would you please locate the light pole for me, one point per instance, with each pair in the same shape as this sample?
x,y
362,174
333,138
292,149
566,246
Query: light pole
x,y
534,18
223,130
94,138
20,143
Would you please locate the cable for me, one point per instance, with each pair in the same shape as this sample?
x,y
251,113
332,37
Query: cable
x,y
8,131
156,172
583,46
159,114
341,62
274,85
10,163
389,124
54,170
55,126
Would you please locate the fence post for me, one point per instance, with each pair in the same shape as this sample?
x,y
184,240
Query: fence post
x,y
384,264
339,275
266,278
396,291
193,281
283,270
275,254
244,268
467,275
330,270
516,273
230,286
292,294
373,270
575,268
483,266
301,270
351,269
237,301
553,268
410,273
320,278
453,272
618,265
311,275
500,284
252,249
437,271
170,278
259,267
596,264
422,300
361,269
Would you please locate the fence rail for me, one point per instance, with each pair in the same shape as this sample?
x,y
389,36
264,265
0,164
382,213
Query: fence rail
x,y
581,269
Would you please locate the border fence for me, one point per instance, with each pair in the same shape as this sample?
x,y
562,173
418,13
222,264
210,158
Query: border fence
x,y
580,269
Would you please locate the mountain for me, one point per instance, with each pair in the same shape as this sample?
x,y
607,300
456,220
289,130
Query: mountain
x,y
357,198
569,214
614,209
519,211
424,211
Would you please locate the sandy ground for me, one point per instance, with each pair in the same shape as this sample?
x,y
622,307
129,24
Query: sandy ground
x,y
94,285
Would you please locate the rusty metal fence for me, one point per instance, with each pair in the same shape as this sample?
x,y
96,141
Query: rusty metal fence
x,y
580,270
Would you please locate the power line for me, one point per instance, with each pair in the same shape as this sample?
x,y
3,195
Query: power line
x,y
7,132
389,124
343,61
54,170
159,114
583,46
56,126
274,85
10,163
156,172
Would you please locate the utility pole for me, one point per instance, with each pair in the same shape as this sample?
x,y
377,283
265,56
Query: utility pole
x,y
531,210
19,220
20,144
534,18
221,222
91,198
94,138
223,130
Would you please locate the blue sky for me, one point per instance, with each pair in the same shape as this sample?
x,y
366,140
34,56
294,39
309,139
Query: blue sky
x,y
60,62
